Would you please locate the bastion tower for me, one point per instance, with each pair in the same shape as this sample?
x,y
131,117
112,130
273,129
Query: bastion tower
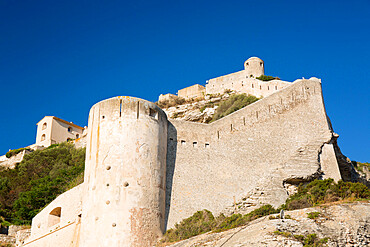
x,y
255,67
125,174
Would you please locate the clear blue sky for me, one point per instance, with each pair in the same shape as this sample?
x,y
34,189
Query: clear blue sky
x,y
61,57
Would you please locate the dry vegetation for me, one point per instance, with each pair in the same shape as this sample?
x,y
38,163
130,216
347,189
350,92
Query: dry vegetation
x,y
315,193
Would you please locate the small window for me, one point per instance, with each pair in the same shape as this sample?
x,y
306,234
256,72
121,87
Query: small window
x,y
247,64
206,145
183,142
54,216
268,87
44,126
261,87
77,136
275,87
251,76
260,63
69,129
43,137
195,144
252,86
153,113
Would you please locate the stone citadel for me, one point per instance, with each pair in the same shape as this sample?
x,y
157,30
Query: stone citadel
x,y
144,172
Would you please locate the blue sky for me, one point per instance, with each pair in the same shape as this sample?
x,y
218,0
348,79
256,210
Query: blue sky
x,y
61,57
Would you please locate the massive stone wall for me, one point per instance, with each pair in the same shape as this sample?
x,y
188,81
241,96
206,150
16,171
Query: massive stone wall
x,y
253,156
240,82
249,157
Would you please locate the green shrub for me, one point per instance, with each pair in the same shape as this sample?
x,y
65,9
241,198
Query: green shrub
x,y
267,78
204,221
313,215
13,152
285,234
200,222
39,179
311,240
324,191
232,104
360,166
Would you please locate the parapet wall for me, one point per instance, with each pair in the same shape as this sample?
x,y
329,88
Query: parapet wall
x,y
217,165
242,83
58,223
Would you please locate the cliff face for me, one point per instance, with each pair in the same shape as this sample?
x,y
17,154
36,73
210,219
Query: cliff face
x,y
341,224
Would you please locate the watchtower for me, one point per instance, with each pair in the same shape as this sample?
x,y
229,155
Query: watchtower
x,y
255,67
125,174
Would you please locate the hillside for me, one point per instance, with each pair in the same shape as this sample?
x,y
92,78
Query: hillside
x,y
37,180
346,224
207,109
340,217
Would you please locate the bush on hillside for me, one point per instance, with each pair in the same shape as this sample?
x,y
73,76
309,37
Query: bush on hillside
x,y
204,221
39,179
232,104
13,152
267,78
314,193
324,191
360,166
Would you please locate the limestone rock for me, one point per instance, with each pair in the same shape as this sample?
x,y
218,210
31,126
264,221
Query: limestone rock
x,y
343,224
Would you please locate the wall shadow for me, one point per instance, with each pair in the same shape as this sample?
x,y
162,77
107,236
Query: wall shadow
x,y
170,166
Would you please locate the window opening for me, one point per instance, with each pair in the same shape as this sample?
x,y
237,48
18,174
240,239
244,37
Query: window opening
x,y
54,216
43,137
44,126
69,129
153,113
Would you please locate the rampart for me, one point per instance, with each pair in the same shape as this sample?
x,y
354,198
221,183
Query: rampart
x,y
249,157
253,156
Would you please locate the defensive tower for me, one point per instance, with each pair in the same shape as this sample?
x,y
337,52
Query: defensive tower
x,y
255,67
125,174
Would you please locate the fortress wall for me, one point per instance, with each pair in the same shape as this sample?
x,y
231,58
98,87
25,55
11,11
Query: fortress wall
x,y
50,230
242,83
212,166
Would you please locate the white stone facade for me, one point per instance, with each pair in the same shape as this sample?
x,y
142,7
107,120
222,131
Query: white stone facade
x,y
52,130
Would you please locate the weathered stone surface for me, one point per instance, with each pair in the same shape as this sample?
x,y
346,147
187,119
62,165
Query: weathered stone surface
x,y
343,224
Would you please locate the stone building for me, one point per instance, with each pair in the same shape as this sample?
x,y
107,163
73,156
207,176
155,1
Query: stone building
x,y
195,91
244,81
144,173
52,130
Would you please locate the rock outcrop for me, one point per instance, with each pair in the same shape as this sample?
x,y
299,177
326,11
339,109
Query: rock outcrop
x,y
345,224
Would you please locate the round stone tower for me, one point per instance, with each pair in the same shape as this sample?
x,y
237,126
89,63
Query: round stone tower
x,y
254,67
125,174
